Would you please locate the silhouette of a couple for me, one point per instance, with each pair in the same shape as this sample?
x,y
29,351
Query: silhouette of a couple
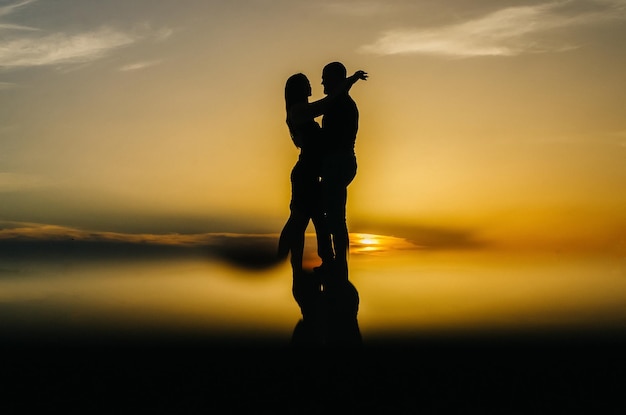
x,y
325,167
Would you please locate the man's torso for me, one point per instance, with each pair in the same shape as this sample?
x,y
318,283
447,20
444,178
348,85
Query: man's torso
x,y
340,124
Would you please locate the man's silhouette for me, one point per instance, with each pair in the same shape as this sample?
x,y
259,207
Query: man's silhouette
x,y
339,125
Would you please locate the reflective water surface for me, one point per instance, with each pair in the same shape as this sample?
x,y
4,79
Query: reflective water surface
x,y
401,292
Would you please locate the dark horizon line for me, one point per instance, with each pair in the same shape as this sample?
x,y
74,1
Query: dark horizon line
x,y
431,236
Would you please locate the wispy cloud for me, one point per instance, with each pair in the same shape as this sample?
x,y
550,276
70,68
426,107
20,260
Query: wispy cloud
x,y
26,231
33,47
139,65
254,252
506,32
163,34
251,251
9,26
10,8
60,48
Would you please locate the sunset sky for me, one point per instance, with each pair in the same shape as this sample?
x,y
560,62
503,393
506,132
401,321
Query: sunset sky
x,y
498,121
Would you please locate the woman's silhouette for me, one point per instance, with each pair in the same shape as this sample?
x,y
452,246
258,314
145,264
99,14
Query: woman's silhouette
x,y
306,203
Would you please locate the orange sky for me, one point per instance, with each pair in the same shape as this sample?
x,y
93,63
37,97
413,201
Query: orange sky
x,y
490,121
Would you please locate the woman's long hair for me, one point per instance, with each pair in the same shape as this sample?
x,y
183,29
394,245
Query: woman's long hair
x,y
296,91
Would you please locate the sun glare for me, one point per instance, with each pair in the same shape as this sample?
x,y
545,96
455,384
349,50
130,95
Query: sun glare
x,y
365,243
360,244
368,241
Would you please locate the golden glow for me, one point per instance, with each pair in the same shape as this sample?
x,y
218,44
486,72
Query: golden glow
x,y
139,124
366,243
122,129
402,292
468,291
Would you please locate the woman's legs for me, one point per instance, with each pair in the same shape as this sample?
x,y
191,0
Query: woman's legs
x,y
292,239
306,204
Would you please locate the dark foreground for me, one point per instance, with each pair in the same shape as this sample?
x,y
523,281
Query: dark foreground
x,y
501,374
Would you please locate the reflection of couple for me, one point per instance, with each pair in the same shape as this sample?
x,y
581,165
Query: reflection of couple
x,y
325,168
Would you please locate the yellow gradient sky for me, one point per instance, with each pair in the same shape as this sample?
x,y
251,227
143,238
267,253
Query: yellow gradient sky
x,y
501,121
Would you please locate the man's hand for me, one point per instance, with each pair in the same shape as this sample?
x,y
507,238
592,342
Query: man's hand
x,y
360,75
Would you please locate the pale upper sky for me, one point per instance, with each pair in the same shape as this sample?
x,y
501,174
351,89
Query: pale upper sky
x,y
505,120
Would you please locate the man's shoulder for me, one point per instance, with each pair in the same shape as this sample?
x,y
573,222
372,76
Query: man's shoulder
x,y
341,108
351,105
349,99
345,102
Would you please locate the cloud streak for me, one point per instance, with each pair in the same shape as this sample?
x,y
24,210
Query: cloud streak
x,y
9,26
32,47
507,32
9,9
25,231
251,251
33,240
138,66
60,48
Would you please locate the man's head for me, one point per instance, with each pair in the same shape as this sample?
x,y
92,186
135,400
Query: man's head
x,y
333,76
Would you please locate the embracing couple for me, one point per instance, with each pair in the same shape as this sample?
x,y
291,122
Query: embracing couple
x,y
325,167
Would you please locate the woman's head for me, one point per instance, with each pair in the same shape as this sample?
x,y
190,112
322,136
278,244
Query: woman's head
x,y
297,89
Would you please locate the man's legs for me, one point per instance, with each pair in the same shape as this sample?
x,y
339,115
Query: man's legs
x,y
324,243
336,216
338,173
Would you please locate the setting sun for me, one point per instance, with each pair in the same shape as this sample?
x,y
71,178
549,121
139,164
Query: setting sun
x,y
364,243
